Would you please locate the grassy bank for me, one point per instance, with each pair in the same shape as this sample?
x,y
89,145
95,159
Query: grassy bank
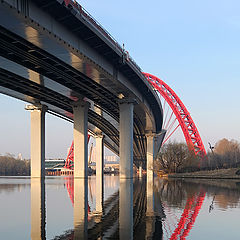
x,y
214,174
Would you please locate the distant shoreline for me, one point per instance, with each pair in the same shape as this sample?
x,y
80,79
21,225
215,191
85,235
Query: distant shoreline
x,y
212,174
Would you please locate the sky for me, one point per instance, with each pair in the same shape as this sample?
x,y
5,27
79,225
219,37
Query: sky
x,y
194,46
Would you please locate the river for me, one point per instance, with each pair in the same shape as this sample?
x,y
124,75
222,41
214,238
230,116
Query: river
x,y
183,209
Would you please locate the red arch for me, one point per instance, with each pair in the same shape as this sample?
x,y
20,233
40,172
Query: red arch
x,y
70,157
188,127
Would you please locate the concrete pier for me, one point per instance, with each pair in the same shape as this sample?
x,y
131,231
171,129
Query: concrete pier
x,y
126,139
38,211
80,135
37,139
99,173
80,208
150,179
126,170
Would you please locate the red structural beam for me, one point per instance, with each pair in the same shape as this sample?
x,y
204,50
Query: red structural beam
x,y
70,189
187,125
69,164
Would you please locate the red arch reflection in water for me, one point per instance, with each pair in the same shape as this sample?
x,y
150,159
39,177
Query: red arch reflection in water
x,y
188,216
186,222
70,189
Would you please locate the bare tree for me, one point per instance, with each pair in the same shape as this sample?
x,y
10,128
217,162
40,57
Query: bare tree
x,y
175,157
226,154
224,146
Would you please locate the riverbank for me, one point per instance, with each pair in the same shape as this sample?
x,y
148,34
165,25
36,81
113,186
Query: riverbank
x,y
213,174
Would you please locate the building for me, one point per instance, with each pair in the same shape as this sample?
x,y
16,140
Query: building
x,y
112,158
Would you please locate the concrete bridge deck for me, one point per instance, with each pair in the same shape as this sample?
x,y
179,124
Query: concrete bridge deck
x,y
55,55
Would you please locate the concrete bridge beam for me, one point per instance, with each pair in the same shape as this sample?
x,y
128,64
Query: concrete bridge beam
x,y
80,136
126,139
37,140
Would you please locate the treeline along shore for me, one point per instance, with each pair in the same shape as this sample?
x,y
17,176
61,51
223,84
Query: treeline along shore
x,y
179,160
10,166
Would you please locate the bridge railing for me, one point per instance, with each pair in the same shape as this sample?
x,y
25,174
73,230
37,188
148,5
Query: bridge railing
x,y
87,16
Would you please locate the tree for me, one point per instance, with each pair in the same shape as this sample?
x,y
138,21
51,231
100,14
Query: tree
x,y
224,146
176,157
9,166
226,154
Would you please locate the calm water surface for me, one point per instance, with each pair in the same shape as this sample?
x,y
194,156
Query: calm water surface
x,y
183,209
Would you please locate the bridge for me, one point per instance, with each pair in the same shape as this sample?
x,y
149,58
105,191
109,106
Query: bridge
x,y
57,57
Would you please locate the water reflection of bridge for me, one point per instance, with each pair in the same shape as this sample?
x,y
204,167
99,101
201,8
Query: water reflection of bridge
x,y
176,205
108,224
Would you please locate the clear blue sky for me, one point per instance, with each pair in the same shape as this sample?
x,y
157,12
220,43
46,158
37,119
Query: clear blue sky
x,y
194,46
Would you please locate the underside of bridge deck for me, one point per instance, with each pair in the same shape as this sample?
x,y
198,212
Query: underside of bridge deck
x,y
41,64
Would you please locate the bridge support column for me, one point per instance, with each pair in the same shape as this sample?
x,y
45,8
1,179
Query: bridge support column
x,y
150,177
126,139
80,136
99,173
37,139
126,171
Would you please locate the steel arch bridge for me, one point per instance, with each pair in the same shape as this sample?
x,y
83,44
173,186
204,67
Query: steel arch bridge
x,y
182,115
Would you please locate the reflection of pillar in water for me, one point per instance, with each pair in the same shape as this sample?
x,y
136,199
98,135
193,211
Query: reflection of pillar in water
x,y
126,209
80,208
150,222
38,211
150,197
150,180
140,170
99,173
